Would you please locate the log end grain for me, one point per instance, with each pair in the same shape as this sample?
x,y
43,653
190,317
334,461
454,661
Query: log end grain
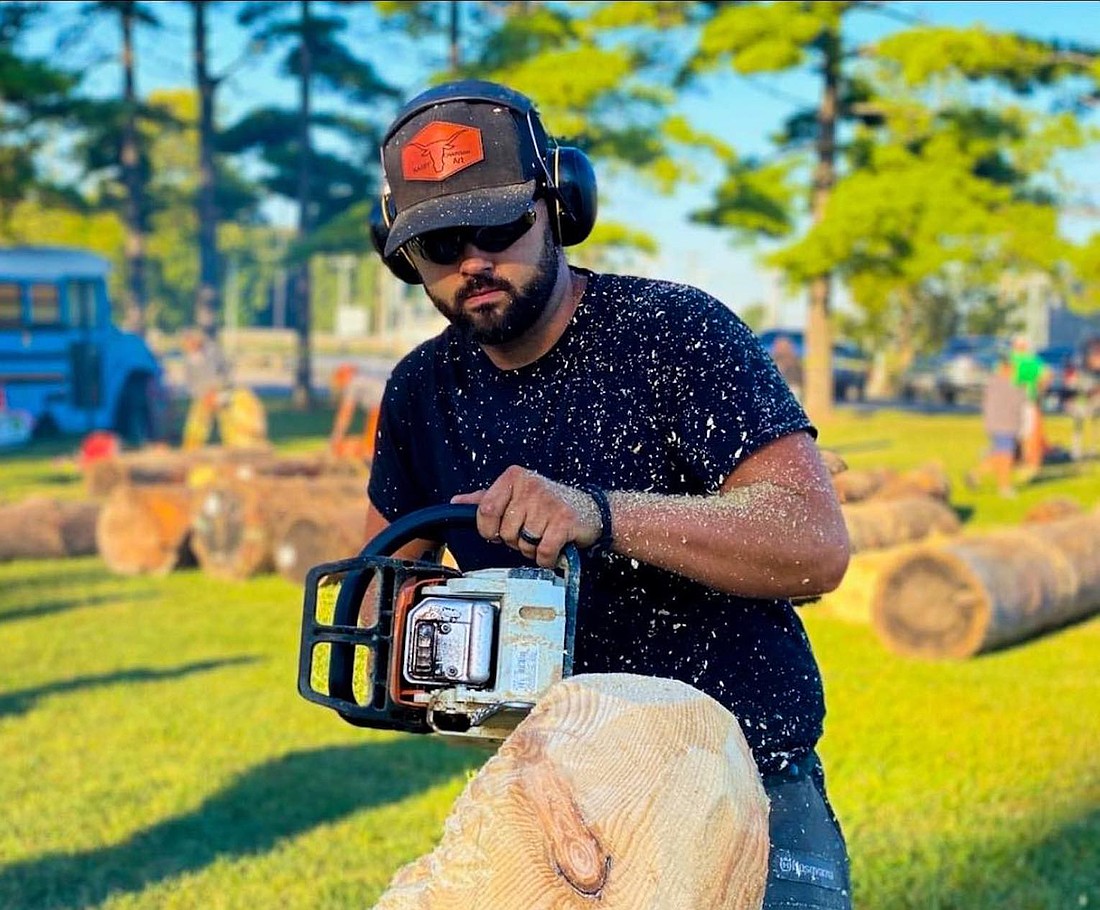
x,y
931,605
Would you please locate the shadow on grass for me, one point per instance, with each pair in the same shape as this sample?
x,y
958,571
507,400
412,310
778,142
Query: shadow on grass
x,y
52,607
1007,874
274,801
22,700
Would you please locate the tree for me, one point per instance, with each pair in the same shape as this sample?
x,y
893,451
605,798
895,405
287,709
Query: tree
x,y
323,183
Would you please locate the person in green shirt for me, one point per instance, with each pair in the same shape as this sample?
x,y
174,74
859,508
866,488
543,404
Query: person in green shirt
x,y
1031,374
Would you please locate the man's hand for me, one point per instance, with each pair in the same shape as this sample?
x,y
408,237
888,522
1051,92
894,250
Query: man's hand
x,y
534,515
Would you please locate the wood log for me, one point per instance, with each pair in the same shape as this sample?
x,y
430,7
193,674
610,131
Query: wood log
x,y
926,480
876,524
146,530
40,527
1053,509
856,486
233,521
306,537
617,791
160,466
851,600
971,595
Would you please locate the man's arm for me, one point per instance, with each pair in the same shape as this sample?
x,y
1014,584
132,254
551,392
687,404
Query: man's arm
x,y
775,529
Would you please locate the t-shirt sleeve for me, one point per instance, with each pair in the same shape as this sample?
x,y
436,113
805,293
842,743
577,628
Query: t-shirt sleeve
x,y
723,393
393,487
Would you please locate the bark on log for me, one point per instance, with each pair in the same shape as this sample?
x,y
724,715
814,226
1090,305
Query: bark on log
x,y
233,522
40,527
877,524
617,792
973,595
160,466
146,530
306,537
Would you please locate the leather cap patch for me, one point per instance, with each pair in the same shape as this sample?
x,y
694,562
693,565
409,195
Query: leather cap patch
x,y
440,150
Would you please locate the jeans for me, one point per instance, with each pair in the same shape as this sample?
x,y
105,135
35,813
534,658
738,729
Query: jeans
x,y
808,863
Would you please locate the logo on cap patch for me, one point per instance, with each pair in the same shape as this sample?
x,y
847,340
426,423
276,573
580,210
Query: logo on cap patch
x,y
440,150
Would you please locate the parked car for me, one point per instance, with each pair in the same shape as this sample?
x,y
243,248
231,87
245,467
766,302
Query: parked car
x,y
851,365
955,375
62,359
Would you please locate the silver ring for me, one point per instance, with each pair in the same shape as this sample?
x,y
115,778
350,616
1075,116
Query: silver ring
x,y
530,538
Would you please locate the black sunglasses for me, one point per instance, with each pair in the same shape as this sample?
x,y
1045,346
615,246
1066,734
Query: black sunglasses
x,y
445,246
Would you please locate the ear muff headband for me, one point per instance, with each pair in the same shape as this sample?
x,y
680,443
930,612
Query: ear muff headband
x,y
569,181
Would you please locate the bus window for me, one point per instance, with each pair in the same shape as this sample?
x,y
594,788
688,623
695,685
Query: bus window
x,y
45,305
82,304
11,311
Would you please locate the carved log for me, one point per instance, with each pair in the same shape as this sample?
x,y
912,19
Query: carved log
x,y
234,521
308,536
40,527
876,524
971,595
617,792
146,529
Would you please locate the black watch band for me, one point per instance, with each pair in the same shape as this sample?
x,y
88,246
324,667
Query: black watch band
x,y
599,496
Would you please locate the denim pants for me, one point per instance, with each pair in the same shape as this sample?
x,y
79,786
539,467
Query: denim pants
x,y
808,862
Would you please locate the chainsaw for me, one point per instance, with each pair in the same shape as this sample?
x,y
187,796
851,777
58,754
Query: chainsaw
x,y
417,646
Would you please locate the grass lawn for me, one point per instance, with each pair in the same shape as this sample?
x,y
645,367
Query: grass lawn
x,y
154,752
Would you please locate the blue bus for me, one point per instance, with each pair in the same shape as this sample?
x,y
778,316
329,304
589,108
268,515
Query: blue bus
x,y
62,358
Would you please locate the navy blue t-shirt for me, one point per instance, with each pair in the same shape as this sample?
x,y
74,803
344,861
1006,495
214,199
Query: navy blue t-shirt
x,y
653,387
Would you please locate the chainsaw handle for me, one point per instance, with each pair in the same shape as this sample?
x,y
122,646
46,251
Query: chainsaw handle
x,y
421,523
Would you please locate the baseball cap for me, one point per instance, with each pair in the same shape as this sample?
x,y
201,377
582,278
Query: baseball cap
x,y
463,154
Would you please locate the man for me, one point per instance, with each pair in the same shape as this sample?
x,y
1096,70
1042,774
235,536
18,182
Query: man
x,y
639,419
354,391
1031,375
239,413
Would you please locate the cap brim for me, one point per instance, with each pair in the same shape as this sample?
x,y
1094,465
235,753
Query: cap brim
x,y
476,208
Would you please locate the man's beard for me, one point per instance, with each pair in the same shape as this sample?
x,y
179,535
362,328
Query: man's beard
x,y
517,316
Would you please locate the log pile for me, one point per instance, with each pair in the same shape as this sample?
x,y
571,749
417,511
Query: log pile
x,y
886,484
306,537
40,527
234,521
617,791
876,524
973,594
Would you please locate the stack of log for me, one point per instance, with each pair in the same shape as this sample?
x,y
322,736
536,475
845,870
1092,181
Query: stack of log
x,y
219,511
617,791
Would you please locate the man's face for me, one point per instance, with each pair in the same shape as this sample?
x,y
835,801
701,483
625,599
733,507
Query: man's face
x,y
495,297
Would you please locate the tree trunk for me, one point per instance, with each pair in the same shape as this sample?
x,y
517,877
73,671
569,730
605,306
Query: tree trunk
x,y
303,380
877,524
972,595
234,521
146,530
819,341
308,536
617,791
39,527
132,178
208,300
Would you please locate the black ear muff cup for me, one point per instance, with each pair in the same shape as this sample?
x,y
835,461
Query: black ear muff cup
x,y
576,191
399,263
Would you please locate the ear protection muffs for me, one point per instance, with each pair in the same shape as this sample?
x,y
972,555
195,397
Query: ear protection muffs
x,y
568,181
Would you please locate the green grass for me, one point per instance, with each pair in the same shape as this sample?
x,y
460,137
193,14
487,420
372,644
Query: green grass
x,y
154,752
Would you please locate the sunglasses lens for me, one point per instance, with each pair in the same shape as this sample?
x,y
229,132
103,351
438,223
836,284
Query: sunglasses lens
x,y
444,247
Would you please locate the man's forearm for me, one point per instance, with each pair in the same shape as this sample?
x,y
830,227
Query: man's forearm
x,y
760,540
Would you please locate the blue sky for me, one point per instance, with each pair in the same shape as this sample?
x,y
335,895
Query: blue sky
x,y
743,112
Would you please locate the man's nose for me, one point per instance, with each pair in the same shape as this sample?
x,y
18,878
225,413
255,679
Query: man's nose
x,y
473,261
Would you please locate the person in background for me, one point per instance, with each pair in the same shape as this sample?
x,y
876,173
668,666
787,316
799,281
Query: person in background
x,y
1031,375
1084,406
1003,407
215,399
639,419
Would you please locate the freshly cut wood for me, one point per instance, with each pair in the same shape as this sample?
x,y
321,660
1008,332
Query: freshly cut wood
x,y
851,600
233,521
617,791
306,537
876,524
146,530
40,527
160,465
973,594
